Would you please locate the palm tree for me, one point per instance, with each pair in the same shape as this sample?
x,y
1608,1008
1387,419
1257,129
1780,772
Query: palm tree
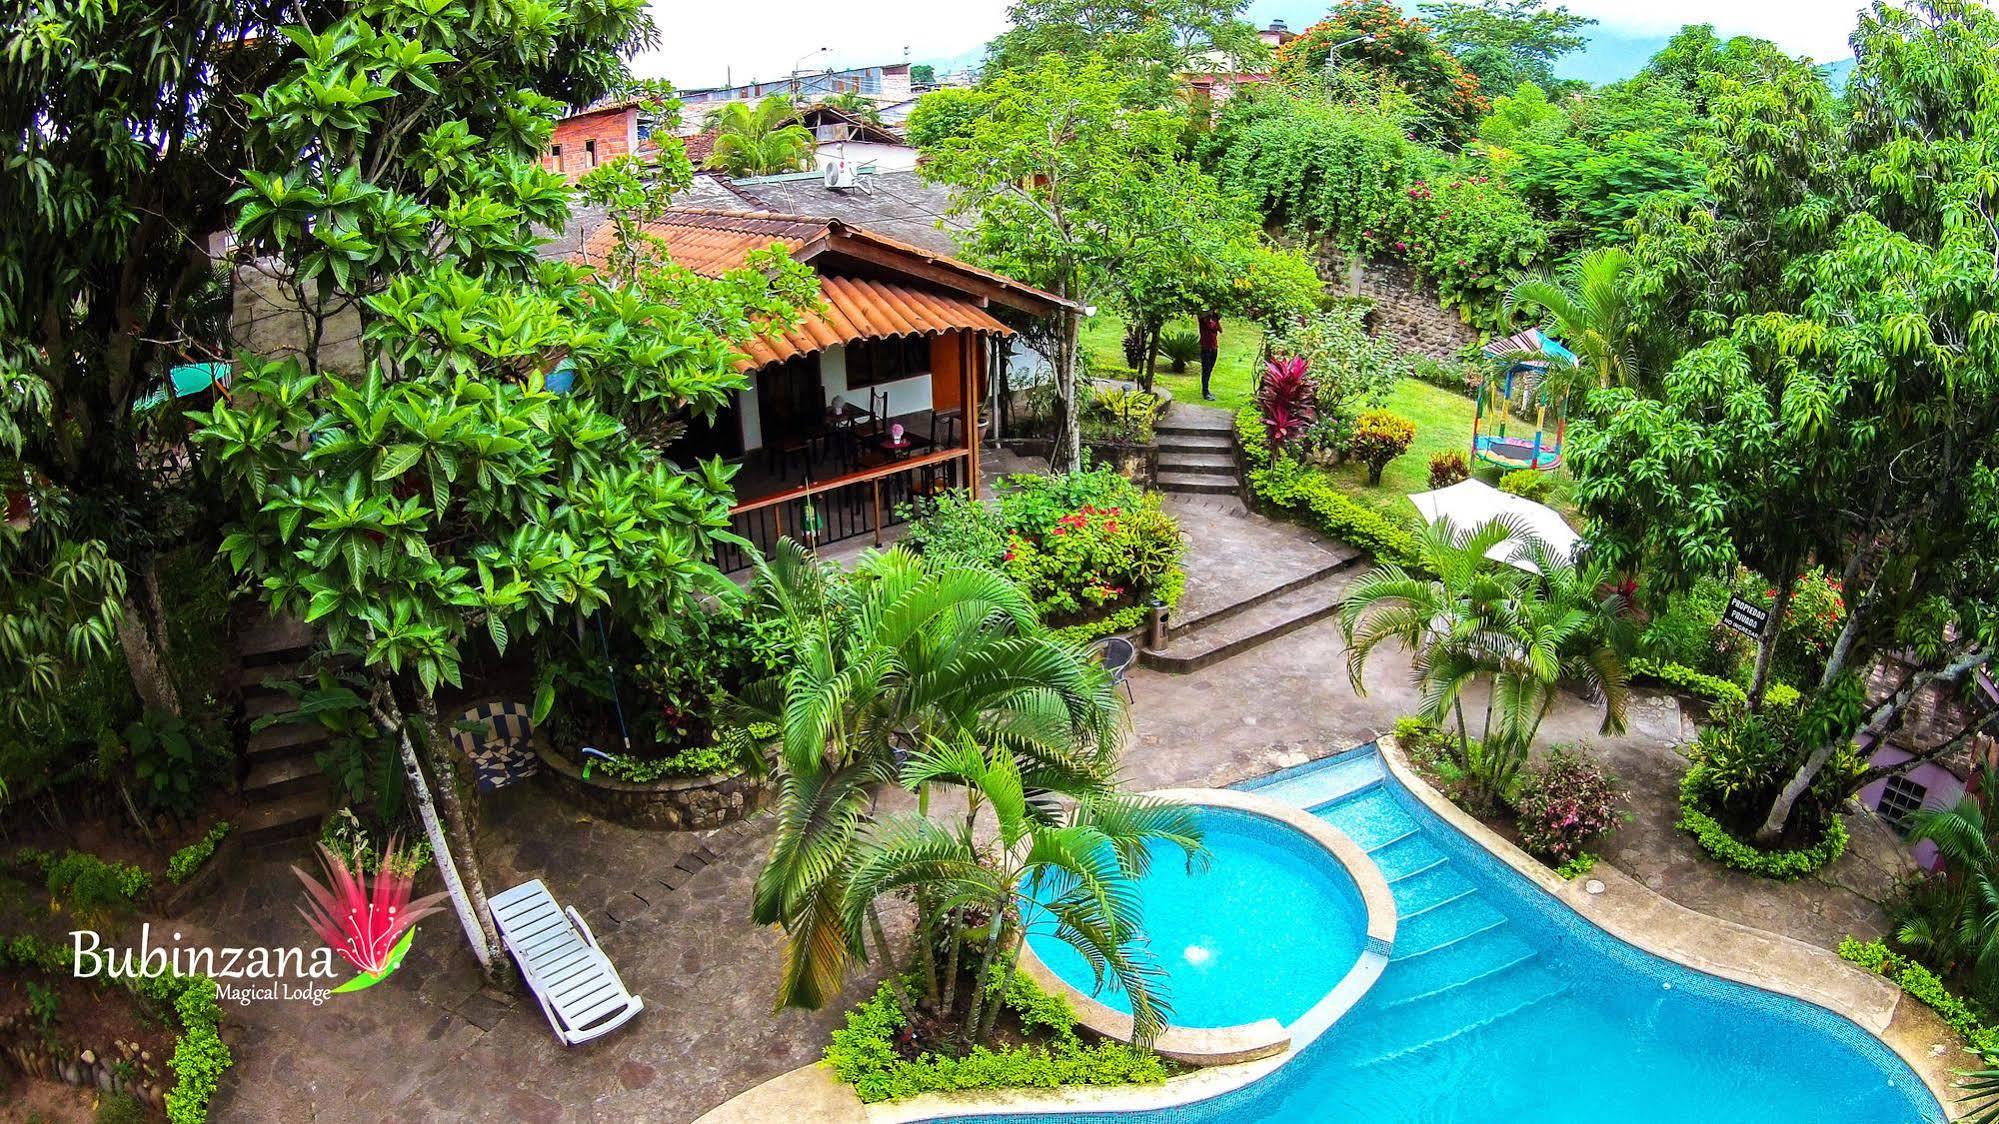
x,y
1073,870
763,140
1956,921
1468,617
1590,310
881,662
856,104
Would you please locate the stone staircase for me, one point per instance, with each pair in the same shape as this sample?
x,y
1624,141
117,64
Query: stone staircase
x,y
284,794
1197,451
1253,622
1250,581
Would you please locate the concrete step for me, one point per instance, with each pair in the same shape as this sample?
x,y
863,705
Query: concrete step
x,y
250,677
262,703
292,817
1206,464
1251,627
1197,482
285,740
1203,441
1184,420
275,778
1344,558
273,640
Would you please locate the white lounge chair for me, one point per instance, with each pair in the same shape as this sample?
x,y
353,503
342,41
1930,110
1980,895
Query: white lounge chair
x,y
579,990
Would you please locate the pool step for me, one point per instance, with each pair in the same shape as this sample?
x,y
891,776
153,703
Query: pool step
x,y
1316,788
1433,929
1370,817
1436,887
1413,1027
1407,858
1459,964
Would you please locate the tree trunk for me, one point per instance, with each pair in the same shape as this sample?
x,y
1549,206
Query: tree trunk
x,y
982,973
1151,356
458,828
1883,718
470,917
1010,948
952,933
894,973
1766,644
926,946
143,656
1067,452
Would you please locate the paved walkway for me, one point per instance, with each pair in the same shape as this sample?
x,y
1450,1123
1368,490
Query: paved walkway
x,y
671,909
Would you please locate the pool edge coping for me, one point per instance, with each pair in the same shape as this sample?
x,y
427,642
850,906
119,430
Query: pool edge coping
x,y
1208,1047
1603,910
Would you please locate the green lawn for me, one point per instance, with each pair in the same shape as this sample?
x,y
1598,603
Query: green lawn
x,y
1443,419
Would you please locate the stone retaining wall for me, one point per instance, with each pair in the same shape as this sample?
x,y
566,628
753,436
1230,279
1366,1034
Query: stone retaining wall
x,y
124,1068
680,804
1406,311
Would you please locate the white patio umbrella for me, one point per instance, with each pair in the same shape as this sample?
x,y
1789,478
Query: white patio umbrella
x,y
1470,503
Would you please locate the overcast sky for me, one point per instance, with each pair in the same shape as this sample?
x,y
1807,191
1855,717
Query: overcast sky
x,y
706,44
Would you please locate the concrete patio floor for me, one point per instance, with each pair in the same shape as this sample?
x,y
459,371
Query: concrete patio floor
x,y
671,911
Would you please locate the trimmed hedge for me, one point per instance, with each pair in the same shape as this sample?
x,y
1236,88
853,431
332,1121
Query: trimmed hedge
x,y
1922,983
188,859
200,1055
1718,842
1678,675
863,1053
1309,496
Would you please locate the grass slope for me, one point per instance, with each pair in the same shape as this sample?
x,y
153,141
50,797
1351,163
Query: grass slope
x,y
1443,419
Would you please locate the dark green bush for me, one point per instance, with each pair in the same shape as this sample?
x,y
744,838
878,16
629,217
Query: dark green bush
x,y
1307,495
863,1053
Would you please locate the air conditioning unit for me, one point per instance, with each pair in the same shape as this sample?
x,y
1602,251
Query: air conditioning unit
x,y
840,173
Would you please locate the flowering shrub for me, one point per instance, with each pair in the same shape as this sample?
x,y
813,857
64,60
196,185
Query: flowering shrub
x,y
1811,625
1403,47
1379,437
1470,236
1448,468
1089,547
1564,803
1287,398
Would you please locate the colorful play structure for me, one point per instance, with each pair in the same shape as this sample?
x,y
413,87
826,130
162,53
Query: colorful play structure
x,y
1520,394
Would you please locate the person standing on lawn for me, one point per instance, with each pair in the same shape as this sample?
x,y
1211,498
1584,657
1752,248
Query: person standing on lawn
x,y
1211,348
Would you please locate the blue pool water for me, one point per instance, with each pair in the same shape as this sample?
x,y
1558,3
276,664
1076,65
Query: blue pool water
x,y
1500,1004
1265,931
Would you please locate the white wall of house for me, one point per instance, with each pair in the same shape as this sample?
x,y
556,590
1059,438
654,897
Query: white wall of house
x,y
905,396
882,157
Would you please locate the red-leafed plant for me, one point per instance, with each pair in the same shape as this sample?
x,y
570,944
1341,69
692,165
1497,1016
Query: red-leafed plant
x,y
1287,398
1568,801
367,920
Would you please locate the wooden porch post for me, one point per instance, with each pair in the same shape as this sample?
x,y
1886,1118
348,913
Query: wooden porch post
x,y
968,365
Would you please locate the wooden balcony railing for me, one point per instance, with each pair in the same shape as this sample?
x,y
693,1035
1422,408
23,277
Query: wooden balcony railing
x,y
831,511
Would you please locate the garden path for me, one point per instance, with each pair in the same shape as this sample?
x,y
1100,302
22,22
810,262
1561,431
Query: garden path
x,y
431,1043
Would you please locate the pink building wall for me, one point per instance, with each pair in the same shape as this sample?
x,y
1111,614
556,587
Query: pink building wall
x,y
1943,785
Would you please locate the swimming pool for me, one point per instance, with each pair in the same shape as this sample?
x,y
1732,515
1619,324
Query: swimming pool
x,y
1500,1004
1266,930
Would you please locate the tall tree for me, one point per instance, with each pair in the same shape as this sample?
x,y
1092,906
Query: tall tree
x,y
1507,42
124,131
402,479
1156,39
1854,424
1590,312
1064,171
1375,37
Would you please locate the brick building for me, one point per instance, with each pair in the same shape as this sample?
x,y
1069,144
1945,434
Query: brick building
x,y
596,135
